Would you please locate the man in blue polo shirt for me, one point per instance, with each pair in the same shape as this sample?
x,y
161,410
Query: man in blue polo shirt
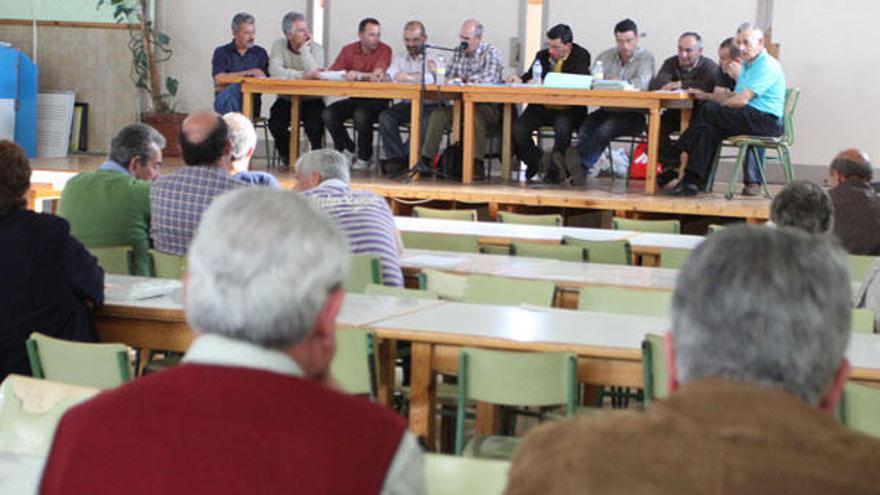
x,y
754,108
239,58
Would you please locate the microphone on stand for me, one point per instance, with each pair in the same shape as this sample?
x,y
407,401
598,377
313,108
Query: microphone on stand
x,y
462,47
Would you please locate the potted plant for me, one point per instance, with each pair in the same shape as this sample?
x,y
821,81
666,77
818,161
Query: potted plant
x,y
149,48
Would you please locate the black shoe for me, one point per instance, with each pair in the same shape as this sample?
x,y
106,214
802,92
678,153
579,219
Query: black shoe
x,y
686,188
393,168
666,176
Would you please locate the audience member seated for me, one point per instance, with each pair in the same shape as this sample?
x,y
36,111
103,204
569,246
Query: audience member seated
x,y
804,205
243,139
296,56
856,204
240,58
49,278
758,368
364,60
363,215
178,200
252,408
111,206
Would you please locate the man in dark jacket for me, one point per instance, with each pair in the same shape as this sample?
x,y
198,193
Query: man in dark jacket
x,y
561,55
856,204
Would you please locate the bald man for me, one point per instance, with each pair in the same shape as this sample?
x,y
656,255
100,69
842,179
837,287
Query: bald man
x,y
856,204
178,200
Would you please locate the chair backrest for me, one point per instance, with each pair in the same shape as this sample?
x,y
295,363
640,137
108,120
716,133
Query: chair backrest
x,y
716,227
384,290
653,226
860,408
449,286
365,269
30,410
792,95
514,379
453,475
552,251
99,366
626,301
488,289
862,321
608,252
441,242
859,266
554,220
424,212
166,265
673,257
655,372
354,365
115,259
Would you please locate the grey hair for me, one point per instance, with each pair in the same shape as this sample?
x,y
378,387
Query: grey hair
x,y
245,280
767,306
804,205
747,27
242,135
132,141
289,19
695,35
328,163
241,18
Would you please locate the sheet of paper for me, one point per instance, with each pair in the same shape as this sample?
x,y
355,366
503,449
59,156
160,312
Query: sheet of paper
x,y
332,75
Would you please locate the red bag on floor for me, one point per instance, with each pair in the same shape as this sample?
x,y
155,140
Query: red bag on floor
x,y
640,162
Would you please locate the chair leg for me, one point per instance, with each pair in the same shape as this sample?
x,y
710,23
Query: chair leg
x,y
737,170
710,181
762,176
268,147
787,167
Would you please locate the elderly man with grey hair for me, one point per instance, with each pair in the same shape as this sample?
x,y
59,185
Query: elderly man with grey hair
x,y
239,58
364,216
804,205
243,139
296,56
251,409
757,367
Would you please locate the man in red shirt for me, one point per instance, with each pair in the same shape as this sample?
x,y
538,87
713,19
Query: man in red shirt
x,y
364,60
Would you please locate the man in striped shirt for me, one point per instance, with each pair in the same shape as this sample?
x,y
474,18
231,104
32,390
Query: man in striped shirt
x,y
363,215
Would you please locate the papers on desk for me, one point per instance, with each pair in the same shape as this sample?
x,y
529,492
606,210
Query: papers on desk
x,y
138,288
613,85
332,75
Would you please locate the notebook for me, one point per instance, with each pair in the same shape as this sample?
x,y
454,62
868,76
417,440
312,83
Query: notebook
x,y
567,81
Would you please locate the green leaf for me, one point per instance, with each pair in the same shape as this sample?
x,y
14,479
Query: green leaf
x,y
172,85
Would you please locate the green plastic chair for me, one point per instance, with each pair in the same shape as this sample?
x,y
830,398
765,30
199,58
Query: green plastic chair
x,y
860,409
652,226
441,242
522,379
859,266
715,227
655,372
423,212
384,290
354,365
448,286
607,252
100,366
365,269
118,260
28,429
452,475
550,251
673,257
554,220
625,301
488,289
167,265
746,144
862,321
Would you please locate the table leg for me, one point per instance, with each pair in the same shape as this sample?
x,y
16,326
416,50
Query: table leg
x,y
653,150
456,122
415,131
423,397
506,138
487,419
294,130
247,102
387,354
467,144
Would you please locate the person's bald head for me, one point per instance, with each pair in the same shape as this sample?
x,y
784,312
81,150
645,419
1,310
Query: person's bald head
x,y
851,163
204,140
471,33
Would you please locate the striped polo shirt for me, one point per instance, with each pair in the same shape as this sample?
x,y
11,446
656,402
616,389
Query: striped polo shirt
x,y
367,222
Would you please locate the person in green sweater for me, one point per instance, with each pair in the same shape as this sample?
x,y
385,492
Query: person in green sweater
x,y
111,206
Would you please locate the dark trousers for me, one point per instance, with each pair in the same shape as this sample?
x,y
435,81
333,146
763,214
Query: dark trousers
x,y
365,113
390,121
715,122
600,127
563,120
309,114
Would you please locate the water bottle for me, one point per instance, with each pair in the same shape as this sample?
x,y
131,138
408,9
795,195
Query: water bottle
x,y
537,73
441,69
598,71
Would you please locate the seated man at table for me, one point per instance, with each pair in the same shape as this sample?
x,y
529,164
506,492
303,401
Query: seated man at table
x,y
626,62
757,369
243,140
296,56
856,203
803,205
178,200
479,63
239,58
689,69
111,206
755,108
561,55
362,215
252,409
364,60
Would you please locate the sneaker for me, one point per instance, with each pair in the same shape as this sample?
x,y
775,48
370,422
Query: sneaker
x,y
751,189
360,165
574,168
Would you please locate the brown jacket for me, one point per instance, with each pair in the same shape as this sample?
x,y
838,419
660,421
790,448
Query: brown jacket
x,y
711,437
857,216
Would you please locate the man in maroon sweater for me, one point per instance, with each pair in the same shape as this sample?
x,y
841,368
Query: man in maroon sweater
x,y
249,410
